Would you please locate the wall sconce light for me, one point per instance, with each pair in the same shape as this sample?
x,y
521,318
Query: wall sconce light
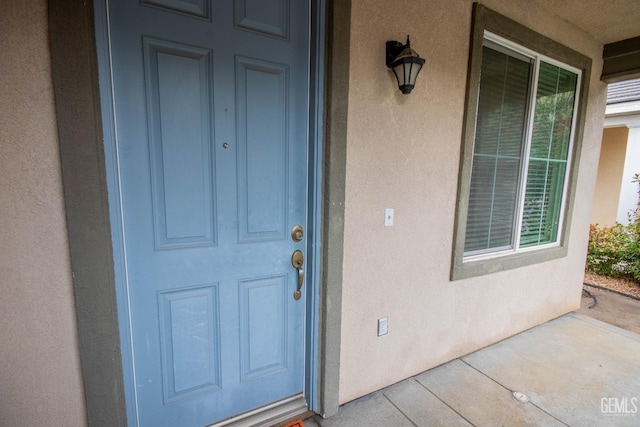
x,y
405,63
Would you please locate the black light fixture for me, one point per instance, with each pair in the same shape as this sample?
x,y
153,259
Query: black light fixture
x,y
405,63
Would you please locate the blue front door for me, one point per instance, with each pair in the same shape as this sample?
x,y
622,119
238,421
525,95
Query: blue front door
x,y
211,114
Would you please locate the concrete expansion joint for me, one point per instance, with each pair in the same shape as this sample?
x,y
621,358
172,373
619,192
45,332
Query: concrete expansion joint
x,y
444,402
400,410
517,395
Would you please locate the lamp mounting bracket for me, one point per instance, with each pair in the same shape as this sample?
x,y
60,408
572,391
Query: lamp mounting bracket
x,y
393,50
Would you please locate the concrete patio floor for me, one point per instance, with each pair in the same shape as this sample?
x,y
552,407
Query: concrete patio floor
x,y
575,370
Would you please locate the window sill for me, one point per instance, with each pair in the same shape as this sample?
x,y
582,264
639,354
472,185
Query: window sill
x,y
480,266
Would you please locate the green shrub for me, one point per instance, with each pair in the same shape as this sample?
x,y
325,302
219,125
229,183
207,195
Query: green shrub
x,y
615,251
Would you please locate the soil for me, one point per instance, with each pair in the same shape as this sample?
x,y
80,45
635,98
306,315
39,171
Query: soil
x,y
622,285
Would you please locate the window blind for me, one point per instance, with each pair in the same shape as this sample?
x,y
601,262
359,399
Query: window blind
x,y
501,197
497,157
550,141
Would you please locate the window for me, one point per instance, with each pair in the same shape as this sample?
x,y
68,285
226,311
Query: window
x,y
521,150
525,105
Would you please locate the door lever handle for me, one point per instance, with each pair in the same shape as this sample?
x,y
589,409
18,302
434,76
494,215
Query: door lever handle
x,y
297,294
297,259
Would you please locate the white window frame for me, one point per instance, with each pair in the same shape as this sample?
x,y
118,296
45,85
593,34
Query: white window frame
x,y
537,58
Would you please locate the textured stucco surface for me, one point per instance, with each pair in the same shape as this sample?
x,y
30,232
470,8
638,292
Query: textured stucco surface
x,y
40,382
403,152
609,180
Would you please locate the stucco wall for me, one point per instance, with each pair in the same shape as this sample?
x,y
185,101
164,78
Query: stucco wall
x,y
628,203
403,152
609,178
40,382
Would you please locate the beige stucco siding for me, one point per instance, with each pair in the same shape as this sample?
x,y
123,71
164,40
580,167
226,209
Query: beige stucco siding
x,y
403,152
40,382
609,182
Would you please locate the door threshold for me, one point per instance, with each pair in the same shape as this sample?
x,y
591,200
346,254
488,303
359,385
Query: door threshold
x,y
269,415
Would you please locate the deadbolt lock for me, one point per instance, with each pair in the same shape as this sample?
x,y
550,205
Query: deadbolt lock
x,y
297,233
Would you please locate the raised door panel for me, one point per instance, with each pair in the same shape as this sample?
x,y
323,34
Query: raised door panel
x,y
190,342
270,17
263,326
197,8
262,117
179,99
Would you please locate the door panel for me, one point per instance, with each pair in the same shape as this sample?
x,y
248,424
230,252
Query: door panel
x,y
211,112
178,98
263,338
267,17
189,342
261,90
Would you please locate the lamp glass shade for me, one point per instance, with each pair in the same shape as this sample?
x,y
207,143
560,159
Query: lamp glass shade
x,y
406,74
406,67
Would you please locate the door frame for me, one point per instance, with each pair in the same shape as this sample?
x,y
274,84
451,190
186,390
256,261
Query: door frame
x,y
83,127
